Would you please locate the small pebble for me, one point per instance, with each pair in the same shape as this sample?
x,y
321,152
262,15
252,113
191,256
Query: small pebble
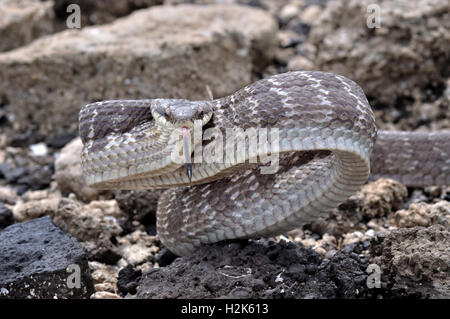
x,y
39,149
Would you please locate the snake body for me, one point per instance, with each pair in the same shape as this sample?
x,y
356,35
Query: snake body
x,y
326,135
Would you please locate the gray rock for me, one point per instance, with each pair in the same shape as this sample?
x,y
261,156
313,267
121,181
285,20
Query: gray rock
x,y
164,51
22,21
68,173
35,257
410,49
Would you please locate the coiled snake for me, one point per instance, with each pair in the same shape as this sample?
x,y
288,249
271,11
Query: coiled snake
x,y
324,136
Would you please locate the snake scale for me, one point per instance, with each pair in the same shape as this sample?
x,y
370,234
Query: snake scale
x,y
327,146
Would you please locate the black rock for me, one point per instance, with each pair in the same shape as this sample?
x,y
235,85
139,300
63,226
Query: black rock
x,y
11,174
26,138
103,251
6,216
151,229
39,261
139,205
128,279
59,141
258,269
38,177
165,257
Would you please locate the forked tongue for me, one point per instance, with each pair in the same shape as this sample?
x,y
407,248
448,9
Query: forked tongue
x,y
186,150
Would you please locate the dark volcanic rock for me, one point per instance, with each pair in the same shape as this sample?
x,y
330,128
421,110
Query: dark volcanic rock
x,y
38,261
102,251
139,205
129,279
28,177
259,269
165,257
58,141
6,216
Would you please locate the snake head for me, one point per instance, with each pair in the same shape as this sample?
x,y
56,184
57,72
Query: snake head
x,y
181,113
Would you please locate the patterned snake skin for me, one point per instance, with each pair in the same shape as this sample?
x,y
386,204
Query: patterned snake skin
x,y
326,134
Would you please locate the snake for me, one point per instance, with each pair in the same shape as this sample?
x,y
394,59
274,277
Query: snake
x,y
298,145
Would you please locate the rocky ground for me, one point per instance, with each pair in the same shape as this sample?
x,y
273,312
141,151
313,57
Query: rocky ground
x,y
51,223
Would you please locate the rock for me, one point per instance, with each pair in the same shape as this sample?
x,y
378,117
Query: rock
x,y
68,173
300,63
258,269
136,254
8,195
423,214
6,216
10,174
382,197
104,274
128,280
288,39
138,247
39,149
164,51
356,236
95,225
92,222
104,295
165,257
39,195
311,14
23,139
414,261
34,208
32,177
59,141
104,287
37,262
321,246
240,293
348,271
288,12
100,12
283,56
374,201
409,49
102,250
37,177
340,220
139,205
22,21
